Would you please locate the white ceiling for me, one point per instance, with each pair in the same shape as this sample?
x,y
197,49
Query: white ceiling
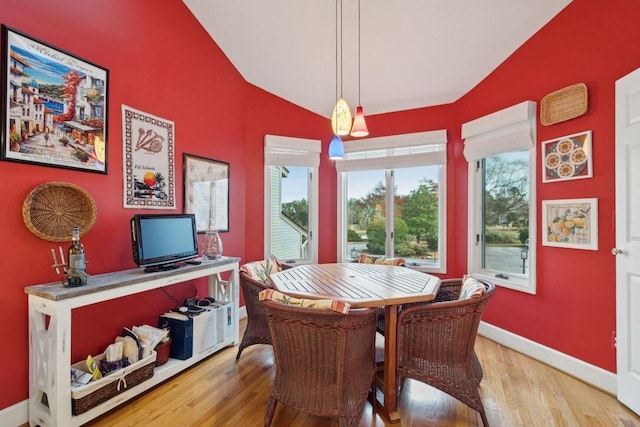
x,y
414,53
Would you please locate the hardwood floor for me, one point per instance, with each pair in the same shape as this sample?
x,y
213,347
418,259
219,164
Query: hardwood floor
x,y
516,391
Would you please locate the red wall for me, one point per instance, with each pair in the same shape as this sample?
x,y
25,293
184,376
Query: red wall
x,y
595,43
162,62
273,116
573,310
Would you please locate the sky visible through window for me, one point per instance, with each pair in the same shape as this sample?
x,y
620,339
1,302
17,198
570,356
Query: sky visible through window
x,y
293,187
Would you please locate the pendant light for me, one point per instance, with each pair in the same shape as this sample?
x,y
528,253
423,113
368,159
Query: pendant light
x,y
336,148
359,128
341,116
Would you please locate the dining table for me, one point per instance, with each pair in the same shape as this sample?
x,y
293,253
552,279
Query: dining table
x,y
365,285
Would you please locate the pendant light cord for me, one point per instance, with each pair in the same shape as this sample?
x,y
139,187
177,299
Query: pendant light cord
x,y
359,53
341,45
337,51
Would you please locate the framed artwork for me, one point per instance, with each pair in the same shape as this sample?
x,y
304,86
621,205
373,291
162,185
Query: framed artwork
x,y
54,107
568,157
206,192
570,223
148,160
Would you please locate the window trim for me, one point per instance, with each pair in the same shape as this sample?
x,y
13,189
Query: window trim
x,y
510,129
389,153
290,151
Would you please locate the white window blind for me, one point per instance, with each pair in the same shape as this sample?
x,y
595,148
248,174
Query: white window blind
x,y
289,151
389,152
511,129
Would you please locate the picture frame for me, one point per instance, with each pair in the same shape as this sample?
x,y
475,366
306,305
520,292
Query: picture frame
x,y
570,223
55,105
568,157
148,147
206,192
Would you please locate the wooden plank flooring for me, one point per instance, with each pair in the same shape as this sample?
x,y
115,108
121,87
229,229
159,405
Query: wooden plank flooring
x,y
516,391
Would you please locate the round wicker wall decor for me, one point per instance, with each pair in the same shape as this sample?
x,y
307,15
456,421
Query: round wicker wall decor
x,y
52,209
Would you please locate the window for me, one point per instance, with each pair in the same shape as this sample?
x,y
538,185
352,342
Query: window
x,y
500,149
391,199
291,198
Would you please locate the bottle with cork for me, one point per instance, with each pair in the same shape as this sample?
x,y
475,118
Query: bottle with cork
x,y
76,274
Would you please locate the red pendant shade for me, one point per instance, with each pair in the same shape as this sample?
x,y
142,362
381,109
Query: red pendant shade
x,y
359,128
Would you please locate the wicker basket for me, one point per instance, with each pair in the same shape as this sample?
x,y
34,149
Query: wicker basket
x,y
51,210
87,396
564,104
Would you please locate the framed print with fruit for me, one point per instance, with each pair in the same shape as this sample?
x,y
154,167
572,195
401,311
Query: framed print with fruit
x,y
148,144
570,223
568,157
54,106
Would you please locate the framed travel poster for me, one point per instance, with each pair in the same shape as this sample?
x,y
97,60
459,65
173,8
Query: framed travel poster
x,y
54,106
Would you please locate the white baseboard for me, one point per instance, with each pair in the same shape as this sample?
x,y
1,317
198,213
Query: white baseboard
x,y
586,372
15,415
18,414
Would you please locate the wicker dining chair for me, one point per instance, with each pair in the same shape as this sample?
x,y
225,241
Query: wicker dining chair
x,y
257,330
436,343
325,362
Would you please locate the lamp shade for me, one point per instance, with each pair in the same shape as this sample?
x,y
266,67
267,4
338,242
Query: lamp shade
x,y
359,128
341,118
336,148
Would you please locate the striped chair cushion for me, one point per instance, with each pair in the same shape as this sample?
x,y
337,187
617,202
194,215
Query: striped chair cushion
x,y
261,270
335,305
471,288
369,259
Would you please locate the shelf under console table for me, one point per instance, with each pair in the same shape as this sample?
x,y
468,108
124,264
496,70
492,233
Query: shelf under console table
x,y
50,307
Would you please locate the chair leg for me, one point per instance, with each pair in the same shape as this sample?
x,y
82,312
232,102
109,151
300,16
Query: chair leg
x,y
351,420
476,366
271,409
485,422
240,348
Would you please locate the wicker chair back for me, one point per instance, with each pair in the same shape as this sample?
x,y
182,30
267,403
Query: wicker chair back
x,y
325,361
436,343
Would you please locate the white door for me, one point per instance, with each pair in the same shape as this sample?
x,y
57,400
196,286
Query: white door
x,y
627,250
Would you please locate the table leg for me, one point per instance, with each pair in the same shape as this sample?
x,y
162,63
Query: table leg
x,y
389,404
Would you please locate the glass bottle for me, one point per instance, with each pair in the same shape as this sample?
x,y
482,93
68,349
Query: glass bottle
x,y
212,245
76,275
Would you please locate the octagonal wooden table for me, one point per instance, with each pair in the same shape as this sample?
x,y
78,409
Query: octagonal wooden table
x,y
364,285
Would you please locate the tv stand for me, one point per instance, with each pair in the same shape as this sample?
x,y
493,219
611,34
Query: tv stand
x,y
164,267
50,307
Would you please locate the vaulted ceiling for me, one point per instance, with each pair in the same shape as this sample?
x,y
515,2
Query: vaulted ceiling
x,y
413,53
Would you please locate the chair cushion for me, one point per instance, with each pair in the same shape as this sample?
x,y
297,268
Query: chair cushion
x,y
471,288
335,305
368,259
261,270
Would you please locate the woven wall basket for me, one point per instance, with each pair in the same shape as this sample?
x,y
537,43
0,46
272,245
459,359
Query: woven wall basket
x,y
564,104
51,210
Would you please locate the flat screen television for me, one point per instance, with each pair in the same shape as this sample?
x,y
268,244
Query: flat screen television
x,y
163,241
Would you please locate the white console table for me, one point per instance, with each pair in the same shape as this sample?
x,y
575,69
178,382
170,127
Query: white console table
x,y
50,308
